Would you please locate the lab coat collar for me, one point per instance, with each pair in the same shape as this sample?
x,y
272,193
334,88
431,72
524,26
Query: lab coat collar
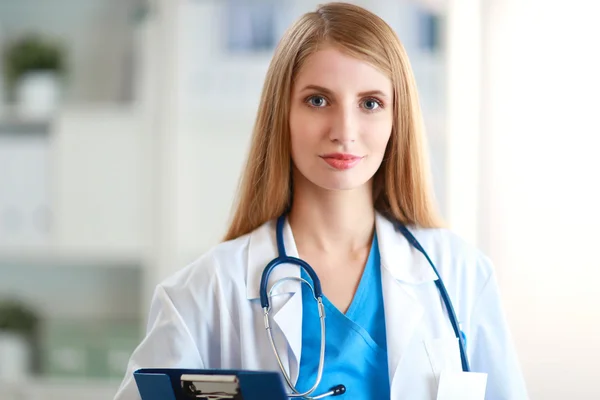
x,y
262,249
404,262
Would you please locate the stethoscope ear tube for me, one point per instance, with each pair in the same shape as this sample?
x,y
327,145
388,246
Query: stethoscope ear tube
x,y
284,259
264,280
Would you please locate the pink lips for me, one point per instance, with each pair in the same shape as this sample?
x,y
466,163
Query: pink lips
x,y
341,161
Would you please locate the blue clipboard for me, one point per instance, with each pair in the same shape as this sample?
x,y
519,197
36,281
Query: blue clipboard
x,y
188,384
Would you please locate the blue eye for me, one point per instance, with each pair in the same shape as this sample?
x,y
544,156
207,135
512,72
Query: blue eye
x,y
371,104
317,101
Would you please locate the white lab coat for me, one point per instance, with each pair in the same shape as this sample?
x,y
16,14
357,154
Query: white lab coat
x,y
208,315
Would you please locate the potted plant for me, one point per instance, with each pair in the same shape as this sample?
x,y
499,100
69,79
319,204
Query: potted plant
x,y
18,330
34,67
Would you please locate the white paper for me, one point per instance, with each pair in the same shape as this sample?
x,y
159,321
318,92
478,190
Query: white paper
x,y
459,385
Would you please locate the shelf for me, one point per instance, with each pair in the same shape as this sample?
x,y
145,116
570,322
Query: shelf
x,y
28,256
14,126
13,123
54,389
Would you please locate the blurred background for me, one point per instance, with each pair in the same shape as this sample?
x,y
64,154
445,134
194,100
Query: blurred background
x,y
124,125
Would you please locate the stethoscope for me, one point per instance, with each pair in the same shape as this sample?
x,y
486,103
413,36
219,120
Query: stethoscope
x,y
265,295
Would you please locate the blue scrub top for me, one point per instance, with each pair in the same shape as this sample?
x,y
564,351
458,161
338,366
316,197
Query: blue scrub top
x,y
355,347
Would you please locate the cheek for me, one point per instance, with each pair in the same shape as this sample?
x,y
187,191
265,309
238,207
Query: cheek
x,y
303,148
379,137
295,126
296,146
307,122
300,139
305,131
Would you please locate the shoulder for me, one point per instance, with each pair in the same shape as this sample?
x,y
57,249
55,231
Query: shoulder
x,y
221,260
449,247
461,265
222,268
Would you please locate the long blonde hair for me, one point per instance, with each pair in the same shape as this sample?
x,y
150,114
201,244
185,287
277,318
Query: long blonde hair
x,y
401,186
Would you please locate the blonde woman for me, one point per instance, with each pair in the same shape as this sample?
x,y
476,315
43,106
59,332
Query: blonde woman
x,y
337,177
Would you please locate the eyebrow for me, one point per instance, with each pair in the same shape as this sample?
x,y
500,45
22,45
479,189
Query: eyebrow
x,y
329,92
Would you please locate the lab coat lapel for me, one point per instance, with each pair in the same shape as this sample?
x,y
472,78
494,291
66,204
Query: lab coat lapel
x,y
286,303
403,268
403,314
289,319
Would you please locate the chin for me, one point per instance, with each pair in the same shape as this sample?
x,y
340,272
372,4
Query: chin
x,y
328,180
339,184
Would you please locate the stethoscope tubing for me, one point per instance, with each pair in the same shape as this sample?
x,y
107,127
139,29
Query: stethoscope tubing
x,y
283,258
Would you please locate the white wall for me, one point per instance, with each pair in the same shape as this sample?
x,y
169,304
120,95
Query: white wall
x,y
463,72
97,166
540,186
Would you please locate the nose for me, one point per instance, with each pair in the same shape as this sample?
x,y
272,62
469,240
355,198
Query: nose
x,y
344,125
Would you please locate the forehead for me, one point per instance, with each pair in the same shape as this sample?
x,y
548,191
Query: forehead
x,y
338,71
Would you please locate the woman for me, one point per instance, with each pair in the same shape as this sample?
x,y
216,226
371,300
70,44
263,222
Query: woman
x,y
338,151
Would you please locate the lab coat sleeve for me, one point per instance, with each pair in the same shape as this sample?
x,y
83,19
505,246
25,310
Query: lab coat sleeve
x,y
168,344
491,346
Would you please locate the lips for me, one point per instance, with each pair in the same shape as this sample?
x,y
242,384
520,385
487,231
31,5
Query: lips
x,y
341,161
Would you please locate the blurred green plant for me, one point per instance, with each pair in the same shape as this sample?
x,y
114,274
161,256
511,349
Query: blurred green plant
x,y
16,317
32,52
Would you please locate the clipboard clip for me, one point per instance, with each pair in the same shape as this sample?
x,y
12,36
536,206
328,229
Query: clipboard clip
x,y
211,387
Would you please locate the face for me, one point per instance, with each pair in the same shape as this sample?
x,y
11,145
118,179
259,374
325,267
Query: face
x,y
340,120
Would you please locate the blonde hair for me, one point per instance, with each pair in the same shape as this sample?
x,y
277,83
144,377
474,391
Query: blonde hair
x,y
401,186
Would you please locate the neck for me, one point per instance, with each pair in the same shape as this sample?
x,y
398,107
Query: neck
x,y
332,221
